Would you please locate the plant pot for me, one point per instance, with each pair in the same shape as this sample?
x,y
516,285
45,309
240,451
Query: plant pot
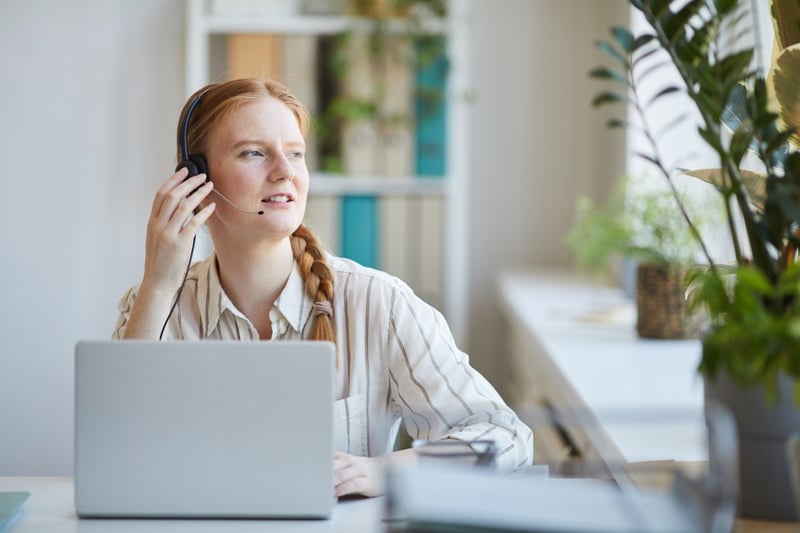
x,y
661,303
765,482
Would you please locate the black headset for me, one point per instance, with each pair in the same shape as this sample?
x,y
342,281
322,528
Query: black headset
x,y
195,163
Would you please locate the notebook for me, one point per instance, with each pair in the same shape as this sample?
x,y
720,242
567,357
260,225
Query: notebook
x,y
204,429
10,504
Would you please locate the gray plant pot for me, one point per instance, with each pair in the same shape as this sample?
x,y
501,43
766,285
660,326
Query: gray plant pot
x,y
765,481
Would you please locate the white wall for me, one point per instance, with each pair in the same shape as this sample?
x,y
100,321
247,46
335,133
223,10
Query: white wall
x,y
91,91
537,144
90,95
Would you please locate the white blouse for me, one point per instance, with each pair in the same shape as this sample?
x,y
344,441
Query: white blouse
x,y
397,359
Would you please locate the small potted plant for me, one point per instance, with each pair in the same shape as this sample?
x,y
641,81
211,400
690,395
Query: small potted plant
x,y
643,229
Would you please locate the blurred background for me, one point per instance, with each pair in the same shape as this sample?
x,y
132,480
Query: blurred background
x,y
91,93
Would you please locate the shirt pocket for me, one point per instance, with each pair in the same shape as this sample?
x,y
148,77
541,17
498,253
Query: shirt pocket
x,y
350,425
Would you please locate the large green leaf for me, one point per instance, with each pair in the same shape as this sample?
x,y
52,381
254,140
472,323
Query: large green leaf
x,y
786,81
785,17
754,182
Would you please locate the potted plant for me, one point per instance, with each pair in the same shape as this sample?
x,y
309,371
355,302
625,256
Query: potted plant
x,y
751,352
643,230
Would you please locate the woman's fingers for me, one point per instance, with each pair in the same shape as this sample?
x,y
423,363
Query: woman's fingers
x,y
184,205
173,191
195,221
357,475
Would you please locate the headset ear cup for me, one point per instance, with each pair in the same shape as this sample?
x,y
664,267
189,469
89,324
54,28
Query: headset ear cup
x,y
200,165
189,165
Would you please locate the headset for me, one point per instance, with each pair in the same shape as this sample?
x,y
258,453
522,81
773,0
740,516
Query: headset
x,y
195,164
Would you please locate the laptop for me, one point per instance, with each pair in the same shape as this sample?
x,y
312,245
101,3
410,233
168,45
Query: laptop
x,y
204,429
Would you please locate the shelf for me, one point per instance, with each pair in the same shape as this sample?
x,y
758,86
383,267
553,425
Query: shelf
x,y
336,185
635,399
305,25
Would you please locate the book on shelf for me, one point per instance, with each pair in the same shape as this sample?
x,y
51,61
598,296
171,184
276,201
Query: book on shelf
x,y
253,56
431,106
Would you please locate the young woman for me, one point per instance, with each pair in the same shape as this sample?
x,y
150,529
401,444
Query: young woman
x,y
269,278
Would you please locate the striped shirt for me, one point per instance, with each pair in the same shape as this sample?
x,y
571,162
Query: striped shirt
x,y
397,359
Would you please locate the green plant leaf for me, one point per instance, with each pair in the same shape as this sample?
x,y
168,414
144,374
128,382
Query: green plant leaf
x,y
754,182
615,123
666,91
612,53
725,6
643,40
675,26
736,67
609,98
624,38
605,73
740,142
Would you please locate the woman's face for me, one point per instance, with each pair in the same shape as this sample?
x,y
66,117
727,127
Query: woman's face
x,y
256,158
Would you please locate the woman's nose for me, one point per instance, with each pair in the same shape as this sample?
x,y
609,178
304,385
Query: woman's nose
x,y
282,169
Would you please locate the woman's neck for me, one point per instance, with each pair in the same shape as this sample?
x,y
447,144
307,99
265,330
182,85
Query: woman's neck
x,y
253,277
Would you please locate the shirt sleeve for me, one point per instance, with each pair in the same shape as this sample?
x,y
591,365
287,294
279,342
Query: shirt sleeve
x,y
437,391
124,306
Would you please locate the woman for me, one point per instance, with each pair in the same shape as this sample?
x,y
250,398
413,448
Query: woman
x,y
269,278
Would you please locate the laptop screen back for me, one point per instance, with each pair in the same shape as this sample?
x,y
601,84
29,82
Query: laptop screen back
x,y
204,429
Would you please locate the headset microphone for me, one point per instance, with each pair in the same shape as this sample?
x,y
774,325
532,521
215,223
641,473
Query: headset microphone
x,y
235,206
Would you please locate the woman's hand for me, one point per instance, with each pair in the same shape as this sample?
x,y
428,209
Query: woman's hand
x,y
170,230
357,475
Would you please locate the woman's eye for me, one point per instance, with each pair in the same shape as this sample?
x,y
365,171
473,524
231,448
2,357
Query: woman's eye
x,y
251,153
297,155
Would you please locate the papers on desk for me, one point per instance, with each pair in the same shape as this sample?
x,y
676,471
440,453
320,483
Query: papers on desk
x,y
10,503
450,498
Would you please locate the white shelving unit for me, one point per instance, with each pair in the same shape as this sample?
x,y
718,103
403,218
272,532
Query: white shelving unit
x,y
202,24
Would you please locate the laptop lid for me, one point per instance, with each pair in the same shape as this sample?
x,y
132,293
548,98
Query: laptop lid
x,y
204,429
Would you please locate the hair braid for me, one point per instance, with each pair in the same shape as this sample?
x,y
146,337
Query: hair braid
x,y
317,276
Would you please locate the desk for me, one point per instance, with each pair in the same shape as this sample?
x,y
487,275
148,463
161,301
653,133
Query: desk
x,y
50,508
573,347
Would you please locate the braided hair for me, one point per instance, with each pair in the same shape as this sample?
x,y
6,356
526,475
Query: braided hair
x,y
318,280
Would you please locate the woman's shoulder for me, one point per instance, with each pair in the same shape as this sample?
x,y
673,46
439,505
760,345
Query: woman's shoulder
x,y
355,276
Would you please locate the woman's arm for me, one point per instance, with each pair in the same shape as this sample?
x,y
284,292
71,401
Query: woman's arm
x,y
171,228
439,394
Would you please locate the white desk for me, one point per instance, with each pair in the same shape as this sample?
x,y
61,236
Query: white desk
x,y
573,344
50,508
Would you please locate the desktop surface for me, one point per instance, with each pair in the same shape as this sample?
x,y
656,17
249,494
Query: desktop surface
x,y
50,508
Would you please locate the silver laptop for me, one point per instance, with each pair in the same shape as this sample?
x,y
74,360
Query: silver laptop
x,y
204,429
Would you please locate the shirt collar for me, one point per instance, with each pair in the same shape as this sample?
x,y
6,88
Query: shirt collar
x,y
211,298
293,302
